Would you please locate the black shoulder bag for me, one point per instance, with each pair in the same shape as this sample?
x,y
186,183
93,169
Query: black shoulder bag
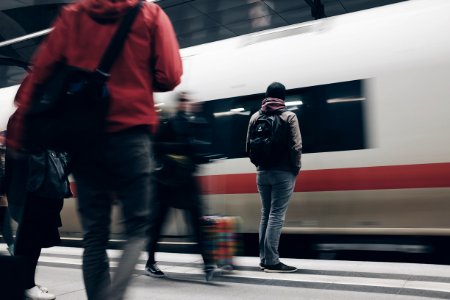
x,y
47,175
68,112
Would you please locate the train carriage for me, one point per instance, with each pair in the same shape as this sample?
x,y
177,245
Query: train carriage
x,y
370,90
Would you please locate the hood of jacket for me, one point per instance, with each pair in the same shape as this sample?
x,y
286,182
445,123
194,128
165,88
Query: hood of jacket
x,y
272,104
107,9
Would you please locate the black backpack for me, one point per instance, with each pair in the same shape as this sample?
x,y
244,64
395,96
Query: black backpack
x,y
68,111
267,138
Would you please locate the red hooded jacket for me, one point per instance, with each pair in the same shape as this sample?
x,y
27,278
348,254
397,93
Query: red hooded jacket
x,y
150,60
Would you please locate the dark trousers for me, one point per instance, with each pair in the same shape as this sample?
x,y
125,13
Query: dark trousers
x,y
119,164
38,228
12,272
29,252
187,198
5,224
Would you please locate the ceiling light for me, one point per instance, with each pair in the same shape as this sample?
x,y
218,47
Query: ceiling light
x,y
292,103
342,100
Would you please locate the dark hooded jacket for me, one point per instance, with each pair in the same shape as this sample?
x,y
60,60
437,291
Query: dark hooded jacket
x,y
150,60
289,159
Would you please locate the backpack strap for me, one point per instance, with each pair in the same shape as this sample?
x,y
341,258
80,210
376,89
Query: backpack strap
x,y
117,41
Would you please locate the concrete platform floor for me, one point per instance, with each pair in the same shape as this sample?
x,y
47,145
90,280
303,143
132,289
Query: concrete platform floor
x,y
59,270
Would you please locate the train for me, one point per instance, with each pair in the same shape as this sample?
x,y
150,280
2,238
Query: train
x,y
371,93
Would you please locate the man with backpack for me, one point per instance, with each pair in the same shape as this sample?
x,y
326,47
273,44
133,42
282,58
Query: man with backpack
x,y
274,146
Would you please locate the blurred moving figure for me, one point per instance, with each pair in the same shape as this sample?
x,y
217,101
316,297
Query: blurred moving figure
x,y
5,224
37,216
5,220
176,186
120,161
12,269
274,146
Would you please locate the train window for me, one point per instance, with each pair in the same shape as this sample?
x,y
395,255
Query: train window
x,y
11,75
25,19
22,21
331,118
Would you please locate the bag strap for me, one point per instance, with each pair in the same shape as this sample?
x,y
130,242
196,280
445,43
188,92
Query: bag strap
x,y
118,40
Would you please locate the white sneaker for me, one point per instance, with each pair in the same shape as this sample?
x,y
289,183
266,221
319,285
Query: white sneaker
x,y
42,288
38,293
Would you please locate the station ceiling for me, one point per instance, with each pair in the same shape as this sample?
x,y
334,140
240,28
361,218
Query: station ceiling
x,y
202,21
195,21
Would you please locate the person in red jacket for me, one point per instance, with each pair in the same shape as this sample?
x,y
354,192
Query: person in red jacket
x,y
120,162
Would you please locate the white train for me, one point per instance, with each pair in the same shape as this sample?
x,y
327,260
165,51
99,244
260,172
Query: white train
x,y
371,90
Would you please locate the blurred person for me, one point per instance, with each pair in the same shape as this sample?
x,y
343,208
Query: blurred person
x,y
5,224
118,162
176,186
274,145
38,217
5,221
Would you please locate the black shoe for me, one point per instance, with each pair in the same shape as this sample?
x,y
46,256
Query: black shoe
x,y
279,268
210,272
153,271
226,269
262,266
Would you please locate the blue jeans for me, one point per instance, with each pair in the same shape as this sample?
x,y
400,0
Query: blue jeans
x,y
119,165
275,189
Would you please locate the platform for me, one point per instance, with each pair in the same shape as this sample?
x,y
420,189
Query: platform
x,y
59,270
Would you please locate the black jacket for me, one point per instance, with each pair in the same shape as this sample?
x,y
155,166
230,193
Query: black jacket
x,y
175,151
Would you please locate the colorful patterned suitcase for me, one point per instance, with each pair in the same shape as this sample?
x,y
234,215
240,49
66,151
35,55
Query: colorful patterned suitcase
x,y
222,240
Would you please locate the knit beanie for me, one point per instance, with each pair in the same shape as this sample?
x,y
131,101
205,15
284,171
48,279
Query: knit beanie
x,y
276,90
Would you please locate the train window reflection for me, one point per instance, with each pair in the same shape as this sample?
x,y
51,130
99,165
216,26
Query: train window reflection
x,y
331,118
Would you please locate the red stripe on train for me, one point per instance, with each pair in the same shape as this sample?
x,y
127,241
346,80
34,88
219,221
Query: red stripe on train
x,y
366,178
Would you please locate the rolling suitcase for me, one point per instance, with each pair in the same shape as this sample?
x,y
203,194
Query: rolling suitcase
x,y
222,242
